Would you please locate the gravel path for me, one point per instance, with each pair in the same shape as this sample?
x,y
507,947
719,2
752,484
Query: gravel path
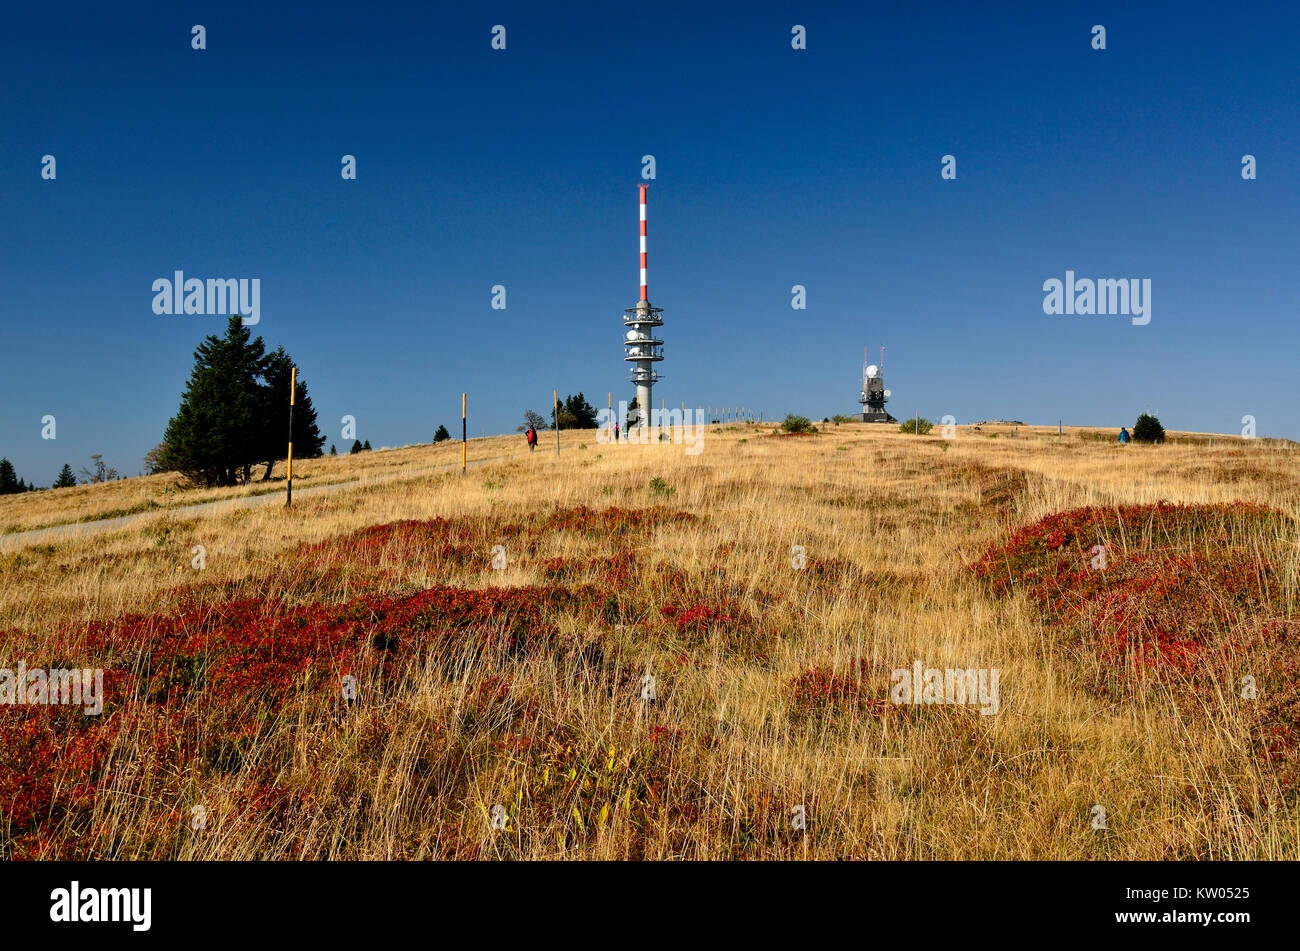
x,y
15,540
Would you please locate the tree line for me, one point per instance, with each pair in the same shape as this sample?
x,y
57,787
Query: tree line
x,y
234,417
11,484
573,412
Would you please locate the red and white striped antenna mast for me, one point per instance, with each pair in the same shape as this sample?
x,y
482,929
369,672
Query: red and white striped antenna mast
x,y
645,296
643,350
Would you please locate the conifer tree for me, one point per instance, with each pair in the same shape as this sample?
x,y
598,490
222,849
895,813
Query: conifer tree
x,y
307,438
9,482
216,435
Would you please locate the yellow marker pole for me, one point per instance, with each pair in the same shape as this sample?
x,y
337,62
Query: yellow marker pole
x,y
293,388
611,412
555,405
464,433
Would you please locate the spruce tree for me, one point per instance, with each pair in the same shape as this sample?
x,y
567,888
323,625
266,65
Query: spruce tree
x,y
66,478
307,438
9,482
583,412
1148,429
356,447
216,435
575,413
441,435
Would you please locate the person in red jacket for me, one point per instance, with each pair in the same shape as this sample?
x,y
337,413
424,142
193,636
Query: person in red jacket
x,y
532,438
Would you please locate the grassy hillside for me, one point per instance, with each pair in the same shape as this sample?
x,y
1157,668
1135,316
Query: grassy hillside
x,y
521,686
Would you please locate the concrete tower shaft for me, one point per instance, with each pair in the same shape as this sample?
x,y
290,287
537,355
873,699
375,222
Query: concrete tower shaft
x,y
643,349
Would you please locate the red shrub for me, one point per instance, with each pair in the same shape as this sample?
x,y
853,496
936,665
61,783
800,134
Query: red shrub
x,y
1169,593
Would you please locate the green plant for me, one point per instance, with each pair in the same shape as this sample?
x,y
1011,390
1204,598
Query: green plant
x,y
798,424
913,425
574,412
234,413
1148,429
660,488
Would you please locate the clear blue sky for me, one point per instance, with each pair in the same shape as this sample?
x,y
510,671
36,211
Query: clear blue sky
x,y
774,167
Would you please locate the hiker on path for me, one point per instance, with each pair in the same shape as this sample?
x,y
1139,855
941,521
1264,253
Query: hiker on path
x,y
616,432
1123,437
531,435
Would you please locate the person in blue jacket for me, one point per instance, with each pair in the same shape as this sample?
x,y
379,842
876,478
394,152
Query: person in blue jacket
x,y
1123,437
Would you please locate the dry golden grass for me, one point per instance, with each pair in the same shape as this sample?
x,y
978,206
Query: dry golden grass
x,y
560,736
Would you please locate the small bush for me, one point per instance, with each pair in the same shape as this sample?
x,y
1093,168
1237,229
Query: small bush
x,y
1148,429
660,488
912,425
798,424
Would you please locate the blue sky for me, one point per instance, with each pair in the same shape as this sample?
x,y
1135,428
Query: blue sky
x,y
774,167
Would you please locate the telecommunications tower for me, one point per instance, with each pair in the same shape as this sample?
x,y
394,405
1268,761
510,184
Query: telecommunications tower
x,y
874,395
643,350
